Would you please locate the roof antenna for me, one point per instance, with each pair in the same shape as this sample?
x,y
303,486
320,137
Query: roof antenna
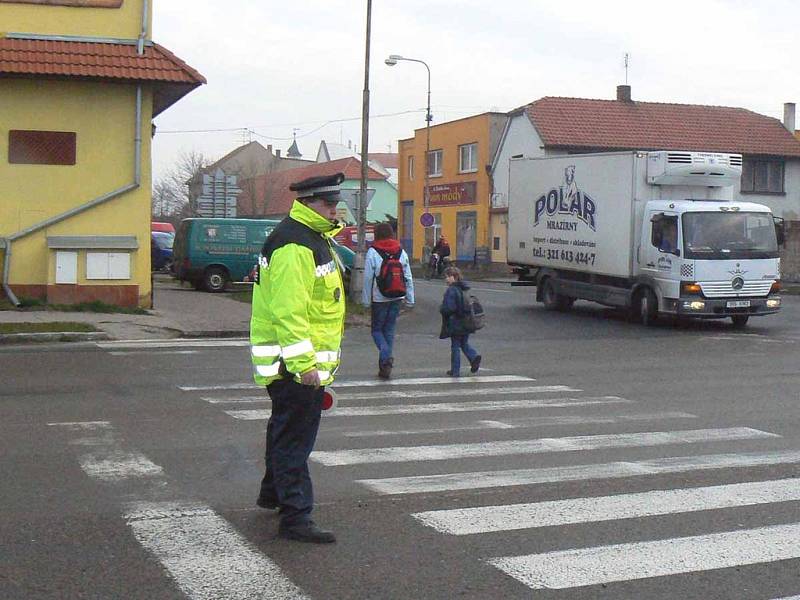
x,y
627,57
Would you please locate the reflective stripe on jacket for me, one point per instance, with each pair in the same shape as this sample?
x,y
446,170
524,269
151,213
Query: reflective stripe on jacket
x,y
298,301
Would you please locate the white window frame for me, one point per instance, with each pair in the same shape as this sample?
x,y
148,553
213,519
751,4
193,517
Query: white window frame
x,y
468,158
435,157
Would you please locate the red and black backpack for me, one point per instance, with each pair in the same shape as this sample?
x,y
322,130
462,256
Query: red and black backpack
x,y
390,279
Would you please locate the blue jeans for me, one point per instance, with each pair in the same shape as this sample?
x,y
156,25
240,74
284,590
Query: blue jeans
x,y
291,433
459,344
384,319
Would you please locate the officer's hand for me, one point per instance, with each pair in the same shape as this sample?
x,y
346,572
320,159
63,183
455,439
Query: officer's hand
x,y
310,378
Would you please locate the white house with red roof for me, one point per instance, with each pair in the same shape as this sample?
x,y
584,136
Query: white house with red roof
x,y
554,126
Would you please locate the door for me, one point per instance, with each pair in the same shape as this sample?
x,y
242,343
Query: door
x,y
661,247
407,227
466,227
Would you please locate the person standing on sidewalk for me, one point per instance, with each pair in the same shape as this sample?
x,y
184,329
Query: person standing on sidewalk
x,y
452,310
387,282
295,336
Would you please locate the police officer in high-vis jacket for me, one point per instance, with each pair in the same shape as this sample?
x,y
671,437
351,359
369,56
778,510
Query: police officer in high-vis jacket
x,y
295,334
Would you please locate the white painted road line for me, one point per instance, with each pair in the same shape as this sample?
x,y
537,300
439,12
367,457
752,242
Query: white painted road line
x,y
606,564
205,555
543,445
386,394
153,353
378,383
447,407
174,343
487,519
615,470
118,465
525,424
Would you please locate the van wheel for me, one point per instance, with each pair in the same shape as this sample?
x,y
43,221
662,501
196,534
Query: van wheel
x,y
647,307
553,300
739,321
215,279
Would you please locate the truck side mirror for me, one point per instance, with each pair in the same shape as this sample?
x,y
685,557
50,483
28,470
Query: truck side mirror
x,y
780,230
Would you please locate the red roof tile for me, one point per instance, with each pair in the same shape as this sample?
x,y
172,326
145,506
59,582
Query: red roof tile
x,y
273,189
612,124
52,58
389,160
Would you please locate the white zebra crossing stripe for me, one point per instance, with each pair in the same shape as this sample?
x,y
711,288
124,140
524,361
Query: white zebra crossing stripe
x,y
379,383
564,444
205,555
386,394
173,343
448,407
615,470
526,423
624,562
487,519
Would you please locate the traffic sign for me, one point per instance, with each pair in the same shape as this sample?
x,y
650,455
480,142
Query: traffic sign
x,y
426,219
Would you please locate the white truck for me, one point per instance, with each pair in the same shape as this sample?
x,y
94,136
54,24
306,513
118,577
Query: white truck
x,y
653,232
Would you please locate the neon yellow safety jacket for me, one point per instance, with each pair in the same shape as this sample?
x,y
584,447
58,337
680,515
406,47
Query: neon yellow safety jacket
x,y
298,300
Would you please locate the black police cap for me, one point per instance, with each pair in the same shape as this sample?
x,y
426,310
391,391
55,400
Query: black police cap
x,y
323,185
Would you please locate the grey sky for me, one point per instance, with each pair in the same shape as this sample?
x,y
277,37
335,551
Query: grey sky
x,y
277,65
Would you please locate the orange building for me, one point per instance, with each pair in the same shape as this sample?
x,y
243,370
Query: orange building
x,y
460,187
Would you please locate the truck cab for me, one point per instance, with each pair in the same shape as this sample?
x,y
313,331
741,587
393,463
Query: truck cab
x,y
709,259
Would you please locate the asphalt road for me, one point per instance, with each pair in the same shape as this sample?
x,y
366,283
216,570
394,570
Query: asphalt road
x,y
596,458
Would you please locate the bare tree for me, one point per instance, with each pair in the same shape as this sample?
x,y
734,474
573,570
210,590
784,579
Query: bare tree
x,y
175,192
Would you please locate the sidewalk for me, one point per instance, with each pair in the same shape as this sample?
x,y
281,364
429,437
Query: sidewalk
x,y
177,312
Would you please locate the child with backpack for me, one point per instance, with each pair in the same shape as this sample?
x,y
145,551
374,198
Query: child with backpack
x,y
461,316
387,282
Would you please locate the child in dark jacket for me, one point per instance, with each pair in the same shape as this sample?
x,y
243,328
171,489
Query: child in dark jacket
x,y
452,310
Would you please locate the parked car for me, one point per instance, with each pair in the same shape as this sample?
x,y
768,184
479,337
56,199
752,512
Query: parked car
x,y
161,251
165,227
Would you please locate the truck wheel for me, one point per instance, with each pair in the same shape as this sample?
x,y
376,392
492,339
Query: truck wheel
x,y
739,321
215,279
553,300
648,307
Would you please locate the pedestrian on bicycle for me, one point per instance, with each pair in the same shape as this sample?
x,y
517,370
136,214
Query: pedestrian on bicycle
x,y
442,250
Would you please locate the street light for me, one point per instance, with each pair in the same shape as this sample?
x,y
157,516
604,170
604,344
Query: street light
x,y
392,61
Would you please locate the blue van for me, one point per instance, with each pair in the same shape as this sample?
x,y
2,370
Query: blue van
x,y
161,251
210,252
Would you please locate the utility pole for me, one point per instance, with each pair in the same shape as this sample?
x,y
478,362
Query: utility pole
x,y
357,280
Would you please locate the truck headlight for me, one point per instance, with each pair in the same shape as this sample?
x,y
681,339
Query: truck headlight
x,y
773,302
694,305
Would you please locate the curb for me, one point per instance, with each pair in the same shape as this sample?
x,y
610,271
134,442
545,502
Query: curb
x,y
55,336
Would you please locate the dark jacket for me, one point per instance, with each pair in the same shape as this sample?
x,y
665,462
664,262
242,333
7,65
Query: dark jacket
x,y
452,310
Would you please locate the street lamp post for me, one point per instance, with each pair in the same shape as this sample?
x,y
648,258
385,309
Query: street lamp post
x,y
392,61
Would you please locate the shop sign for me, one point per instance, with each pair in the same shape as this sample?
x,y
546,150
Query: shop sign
x,y
450,194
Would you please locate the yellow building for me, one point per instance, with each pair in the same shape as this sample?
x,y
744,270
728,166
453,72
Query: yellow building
x,y
80,82
459,188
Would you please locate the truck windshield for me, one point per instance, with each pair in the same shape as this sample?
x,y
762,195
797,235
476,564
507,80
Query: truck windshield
x,y
716,235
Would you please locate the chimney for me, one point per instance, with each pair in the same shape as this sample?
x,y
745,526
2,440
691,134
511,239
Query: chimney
x,y
269,148
624,93
788,116
277,153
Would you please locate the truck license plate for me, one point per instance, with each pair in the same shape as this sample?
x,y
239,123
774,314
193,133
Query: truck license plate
x,y
738,303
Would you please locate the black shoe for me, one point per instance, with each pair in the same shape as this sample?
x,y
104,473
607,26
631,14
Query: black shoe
x,y
306,532
385,368
452,374
268,504
474,365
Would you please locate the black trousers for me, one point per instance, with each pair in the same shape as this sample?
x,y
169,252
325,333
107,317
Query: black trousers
x,y
291,433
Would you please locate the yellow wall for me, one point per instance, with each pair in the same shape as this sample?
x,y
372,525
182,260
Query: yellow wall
x,y
102,115
123,23
448,137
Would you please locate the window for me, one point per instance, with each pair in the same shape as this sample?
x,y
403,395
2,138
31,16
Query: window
x,y
468,158
763,176
41,147
496,243
411,168
108,265
435,163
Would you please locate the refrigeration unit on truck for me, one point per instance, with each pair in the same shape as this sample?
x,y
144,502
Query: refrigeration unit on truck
x,y
654,232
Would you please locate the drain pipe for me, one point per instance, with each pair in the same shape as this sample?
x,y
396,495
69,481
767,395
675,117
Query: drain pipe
x,y
83,207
